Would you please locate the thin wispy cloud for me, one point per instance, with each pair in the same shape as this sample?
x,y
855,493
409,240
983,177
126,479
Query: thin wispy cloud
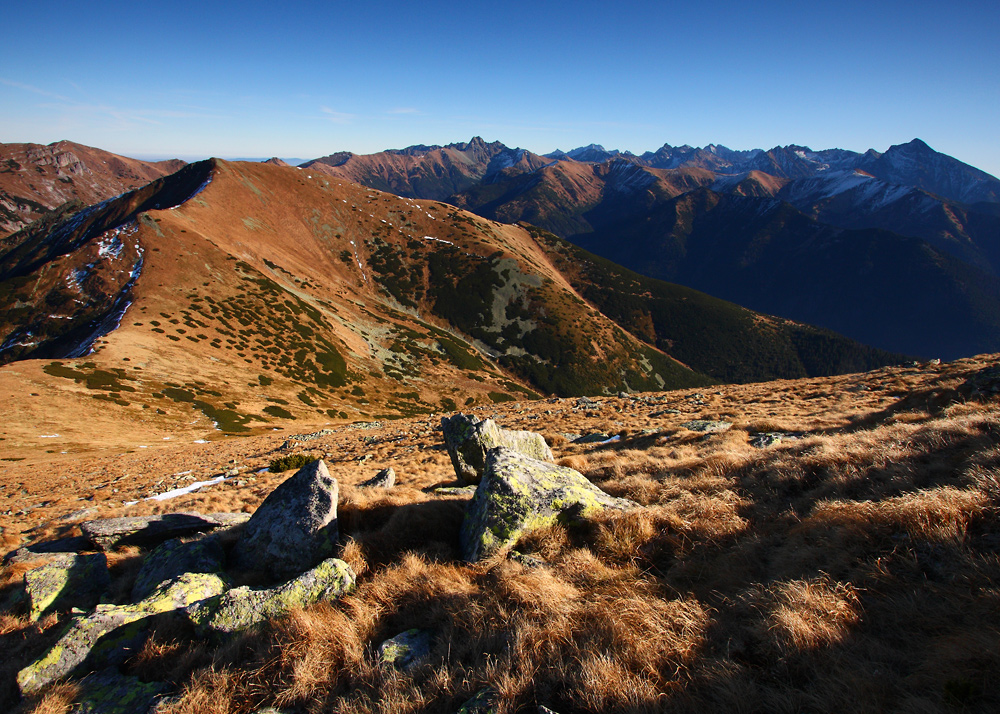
x,y
336,117
34,90
404,110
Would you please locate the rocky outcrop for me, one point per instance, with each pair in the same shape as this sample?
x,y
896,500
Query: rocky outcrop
x,y
295,526
405,650
111,632
386,478
174,558
107,533
469,439
66,581
244,607
519,494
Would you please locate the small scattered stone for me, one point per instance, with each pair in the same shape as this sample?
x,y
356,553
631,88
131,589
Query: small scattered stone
x,y
591,438
528,561
483,702
706,426
406,649
386,478
455,490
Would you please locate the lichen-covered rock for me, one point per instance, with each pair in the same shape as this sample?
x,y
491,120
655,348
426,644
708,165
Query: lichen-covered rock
x,y
707,426
386,478
484,702
295,527
176,557
111,633
110,692
406,649
107,533
66,581
463,491
519,494
469,440
244,607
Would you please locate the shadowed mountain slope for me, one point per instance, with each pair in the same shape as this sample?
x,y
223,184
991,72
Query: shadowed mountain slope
x,y
258,293
35,179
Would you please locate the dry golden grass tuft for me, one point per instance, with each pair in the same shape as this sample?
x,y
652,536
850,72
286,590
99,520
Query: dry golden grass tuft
x,y
856,568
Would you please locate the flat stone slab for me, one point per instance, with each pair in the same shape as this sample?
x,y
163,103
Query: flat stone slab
x,y
108,533
68,580
46,550
244,607
519,494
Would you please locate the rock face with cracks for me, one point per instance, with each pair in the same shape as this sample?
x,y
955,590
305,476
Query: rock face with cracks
x,y
295,527
519,494
244,607
111,632
469,439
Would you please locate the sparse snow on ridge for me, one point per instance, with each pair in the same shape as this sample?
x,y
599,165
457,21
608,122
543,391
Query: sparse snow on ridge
x,y
174,493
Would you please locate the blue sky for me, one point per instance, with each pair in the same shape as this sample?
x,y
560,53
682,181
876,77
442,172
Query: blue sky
x,y
305,79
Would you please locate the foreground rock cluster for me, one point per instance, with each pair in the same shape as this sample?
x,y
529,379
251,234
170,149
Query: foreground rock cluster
x,y
291,539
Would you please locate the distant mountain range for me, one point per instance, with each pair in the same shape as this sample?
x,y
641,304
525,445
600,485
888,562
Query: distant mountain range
x,y
254,294
899,249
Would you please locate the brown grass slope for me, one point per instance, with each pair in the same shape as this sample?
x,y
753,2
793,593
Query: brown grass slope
x,y
854,567
274,295
36,178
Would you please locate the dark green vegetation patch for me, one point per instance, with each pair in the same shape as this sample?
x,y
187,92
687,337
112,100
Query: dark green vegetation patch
x,y
287,463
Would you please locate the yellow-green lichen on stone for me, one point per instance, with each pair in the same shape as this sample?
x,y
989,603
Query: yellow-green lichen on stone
x,y
111,632
519,494
470,439
110,692
406,649
66,581
244,607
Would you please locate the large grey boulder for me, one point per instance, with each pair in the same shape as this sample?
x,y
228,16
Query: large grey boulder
x,y
295,527
108,533
519,494
469,439
111,633
176,557
243,607
66,581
